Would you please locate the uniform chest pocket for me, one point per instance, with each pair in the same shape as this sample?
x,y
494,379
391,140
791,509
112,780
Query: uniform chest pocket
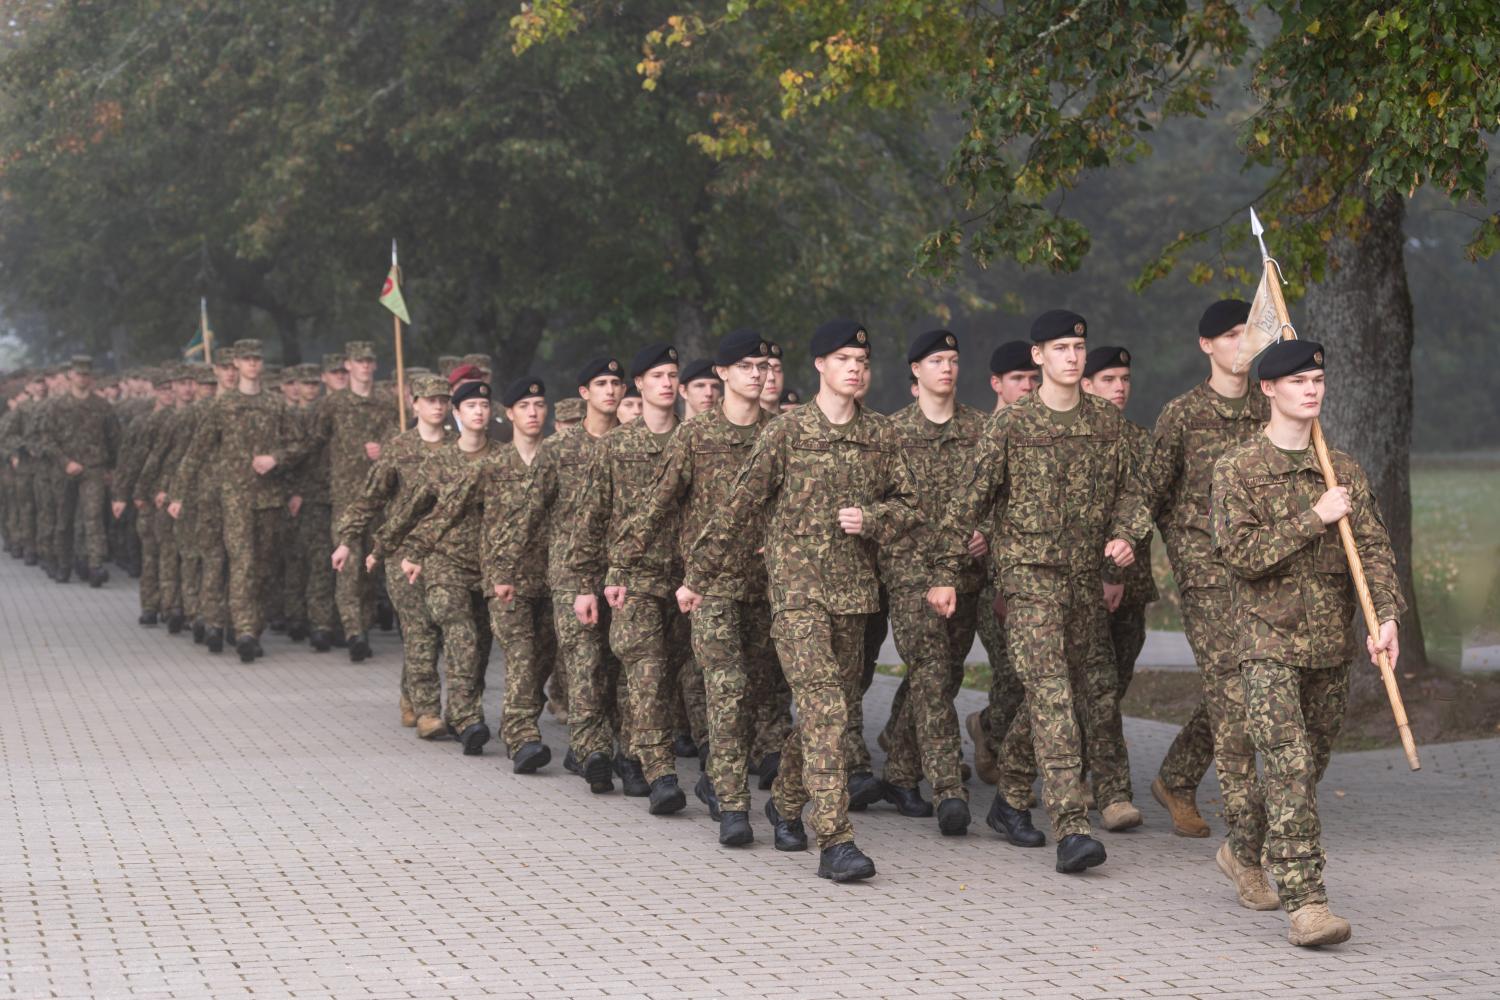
x,y
1274,497
1035,479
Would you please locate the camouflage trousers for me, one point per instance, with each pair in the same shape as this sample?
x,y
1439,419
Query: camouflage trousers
x,y
463,620
1127,637
46,488
732,642
598,709
1295,714
1007,694
773,716
923,736
313,573
691,715
523,628
1192,750
354,587
250,547
823,656
81,504
24,515
206,585
168,559
1059,642
150,582
421,641
651,638
877,626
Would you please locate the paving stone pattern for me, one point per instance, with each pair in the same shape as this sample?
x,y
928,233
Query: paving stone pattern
x,y
180,825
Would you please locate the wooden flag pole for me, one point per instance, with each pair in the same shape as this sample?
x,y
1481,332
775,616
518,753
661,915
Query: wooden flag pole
x,y
1346,534
400,357
208,335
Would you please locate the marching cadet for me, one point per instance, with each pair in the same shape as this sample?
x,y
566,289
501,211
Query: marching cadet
x,y
408,462
135,447
790,399
316,617
1292,605
441,544
352,424
940,438
1056,459
567,414
1013,374
26,463
250,433
770,393
731,628
595,692
1106,374
647,632
83,433
699,387
630,404
831,485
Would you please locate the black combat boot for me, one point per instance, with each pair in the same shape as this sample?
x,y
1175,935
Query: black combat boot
x,y
98,577
953,817
277,626
908,801
789,835
175,621
320,640
734,828
200,631
596,771
666,796
844,863
1014,824
632,778
1077,852
530,757
683,745
385,616
704,789
570,762
245,646
359,648
474,738
297,631
147,618
213,638
864,791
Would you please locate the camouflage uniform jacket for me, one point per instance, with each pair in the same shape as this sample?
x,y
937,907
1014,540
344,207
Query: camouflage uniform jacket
x,y
1291,595
942,458
1140,583
309,480
10,432
620,476
1192,433
559,477
344,422
801,472
162,470
86,431
406,463
135,448
693,481
438,526
234,428
1056,484
502,491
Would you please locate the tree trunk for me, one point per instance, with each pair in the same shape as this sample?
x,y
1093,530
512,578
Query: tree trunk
x,y
691,339
291,342
1362,313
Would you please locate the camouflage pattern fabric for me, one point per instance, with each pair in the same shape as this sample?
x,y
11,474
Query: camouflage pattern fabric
x,y
651,638
1296,713
421,642
86,431
461,615
732,641
524,630
924,736
1007,694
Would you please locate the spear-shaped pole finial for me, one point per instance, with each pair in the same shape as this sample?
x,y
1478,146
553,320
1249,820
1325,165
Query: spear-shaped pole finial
x,y
1259,231
393,253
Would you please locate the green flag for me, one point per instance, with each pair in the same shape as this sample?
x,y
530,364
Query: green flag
x,y
390,295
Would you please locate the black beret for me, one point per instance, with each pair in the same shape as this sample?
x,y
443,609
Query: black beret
x,y
1101,358
648,358
1288,357
742,344
775,349
1219,318
839,333
930,343
695,370
791,396
599,366
523,388
631,392
470,390
1054,324
1012,356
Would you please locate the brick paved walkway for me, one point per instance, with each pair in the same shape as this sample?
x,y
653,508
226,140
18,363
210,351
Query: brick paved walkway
x,y
181,825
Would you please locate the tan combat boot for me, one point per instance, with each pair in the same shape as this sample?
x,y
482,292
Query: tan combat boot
x,y
1186,820
1313,924
1250,883
985,764
408,714
430,726
1119,816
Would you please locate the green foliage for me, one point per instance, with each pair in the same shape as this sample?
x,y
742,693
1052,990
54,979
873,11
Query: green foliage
x,y
265,154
